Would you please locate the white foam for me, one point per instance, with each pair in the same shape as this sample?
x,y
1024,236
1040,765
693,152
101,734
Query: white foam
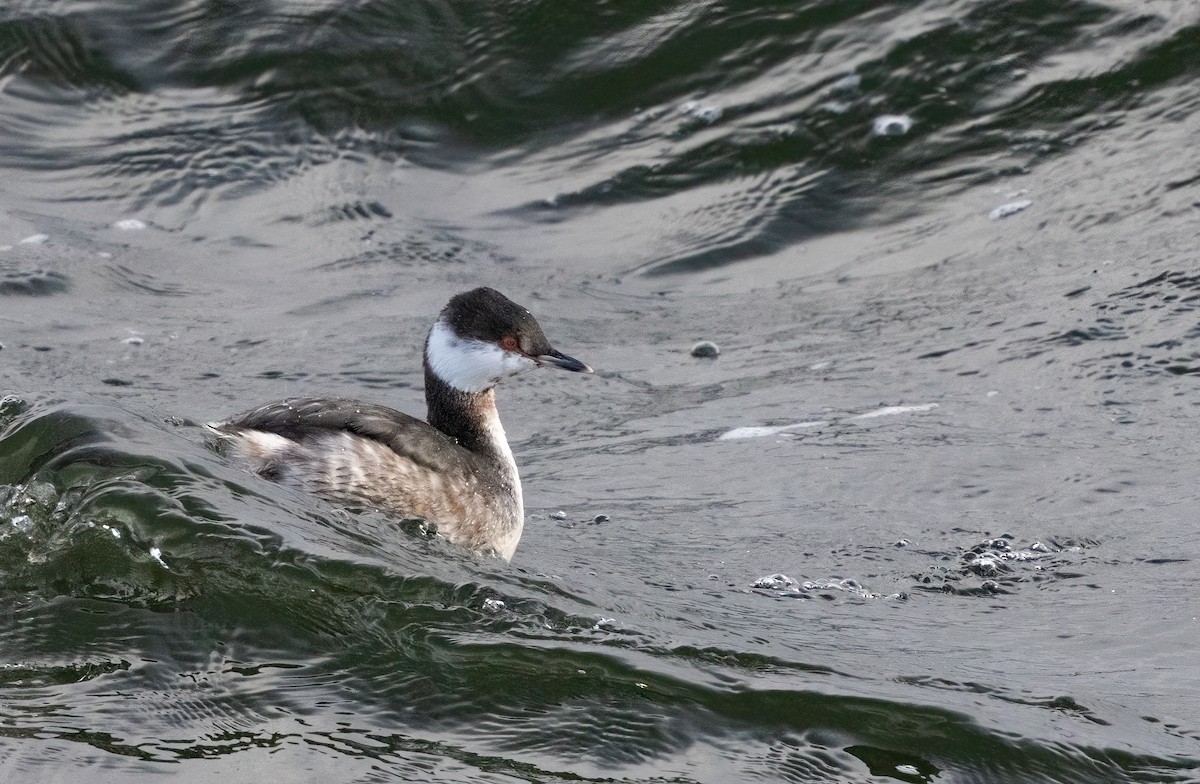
x,y
707,114
760,432
763,431
851,81
35,239
1011,208
893,410
129,224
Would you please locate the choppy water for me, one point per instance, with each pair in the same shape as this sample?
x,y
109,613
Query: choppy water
x,y
930,516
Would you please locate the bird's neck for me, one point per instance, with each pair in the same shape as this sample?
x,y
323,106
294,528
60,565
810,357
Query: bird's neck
x,y
470,418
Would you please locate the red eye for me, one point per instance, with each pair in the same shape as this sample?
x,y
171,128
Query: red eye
x,y
510,344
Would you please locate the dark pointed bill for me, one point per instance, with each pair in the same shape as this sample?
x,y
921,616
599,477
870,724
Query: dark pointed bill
x,y
561,360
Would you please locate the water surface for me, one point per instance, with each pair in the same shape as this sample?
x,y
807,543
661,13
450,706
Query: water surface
x,y
947,250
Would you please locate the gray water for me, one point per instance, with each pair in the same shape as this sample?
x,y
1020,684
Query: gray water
x,y
929,516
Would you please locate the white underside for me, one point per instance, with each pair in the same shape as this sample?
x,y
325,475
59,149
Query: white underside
x,y
471,365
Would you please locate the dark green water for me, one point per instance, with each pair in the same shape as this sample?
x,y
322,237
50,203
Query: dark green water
x,y
968,337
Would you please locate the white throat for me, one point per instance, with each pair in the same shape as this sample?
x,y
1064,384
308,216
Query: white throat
x,y
470,365
508,545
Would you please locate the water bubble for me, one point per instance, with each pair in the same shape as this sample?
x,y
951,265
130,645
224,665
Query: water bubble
x,y
11,406
493,605
706,348
419,527
777,582
559,515
891,125
984,565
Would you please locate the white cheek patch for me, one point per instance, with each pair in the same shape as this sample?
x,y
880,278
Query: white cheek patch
x,y
470,365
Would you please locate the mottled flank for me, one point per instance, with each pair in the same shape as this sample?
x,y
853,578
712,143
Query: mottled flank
x,y
371,456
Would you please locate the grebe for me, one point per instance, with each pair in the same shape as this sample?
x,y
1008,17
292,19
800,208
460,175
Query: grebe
x,y
457,471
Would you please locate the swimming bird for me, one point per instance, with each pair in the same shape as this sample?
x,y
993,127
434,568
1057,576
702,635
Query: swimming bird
x,y
456,470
